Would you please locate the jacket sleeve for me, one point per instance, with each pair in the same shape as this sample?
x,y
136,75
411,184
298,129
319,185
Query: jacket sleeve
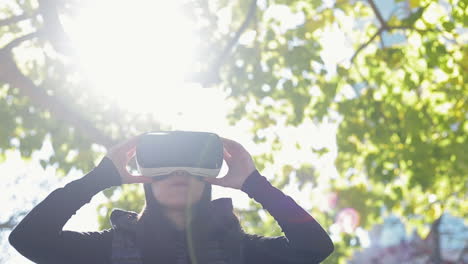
x,y
305,241
39,236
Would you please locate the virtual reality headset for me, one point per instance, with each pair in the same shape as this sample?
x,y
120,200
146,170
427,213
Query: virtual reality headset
x,y
161,153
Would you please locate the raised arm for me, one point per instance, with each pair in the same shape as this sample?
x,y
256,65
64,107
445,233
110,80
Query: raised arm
x,y
39,236
305,241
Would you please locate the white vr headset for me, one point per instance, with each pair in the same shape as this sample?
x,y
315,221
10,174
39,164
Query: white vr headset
x,y
161,153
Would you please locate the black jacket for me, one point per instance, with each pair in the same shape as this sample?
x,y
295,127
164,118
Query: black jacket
x,y
40,238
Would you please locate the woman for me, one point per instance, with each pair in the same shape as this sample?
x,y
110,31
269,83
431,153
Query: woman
x,y
179,224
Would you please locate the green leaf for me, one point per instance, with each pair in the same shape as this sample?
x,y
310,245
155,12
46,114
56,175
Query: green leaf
x,y
414,3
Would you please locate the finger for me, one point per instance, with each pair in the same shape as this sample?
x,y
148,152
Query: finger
x,y
130,143
226,154
229,148
228,159
131,153
142,179
139,179
215,181
228,144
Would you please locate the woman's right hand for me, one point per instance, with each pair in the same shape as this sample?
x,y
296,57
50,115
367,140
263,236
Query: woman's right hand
x,y
120,155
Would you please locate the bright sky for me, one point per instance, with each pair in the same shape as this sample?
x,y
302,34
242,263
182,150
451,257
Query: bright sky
x,y
135,56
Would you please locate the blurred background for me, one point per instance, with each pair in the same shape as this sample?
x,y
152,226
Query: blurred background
x,y
356,109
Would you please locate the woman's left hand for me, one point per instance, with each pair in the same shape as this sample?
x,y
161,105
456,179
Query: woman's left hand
x,y
240,165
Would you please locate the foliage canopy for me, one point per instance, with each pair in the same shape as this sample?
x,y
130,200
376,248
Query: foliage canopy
x,y
400,99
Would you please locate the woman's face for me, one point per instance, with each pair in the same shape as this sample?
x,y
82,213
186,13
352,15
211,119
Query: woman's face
x,y
178,191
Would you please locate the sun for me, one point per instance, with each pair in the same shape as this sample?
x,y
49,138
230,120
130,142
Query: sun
x,y
137,53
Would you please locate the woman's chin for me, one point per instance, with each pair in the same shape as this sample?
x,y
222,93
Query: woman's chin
x,y
180,205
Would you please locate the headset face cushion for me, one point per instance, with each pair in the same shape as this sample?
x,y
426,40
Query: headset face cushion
x,y
160,153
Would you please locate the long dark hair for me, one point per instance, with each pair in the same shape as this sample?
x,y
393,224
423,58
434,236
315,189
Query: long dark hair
x,y
206,223
158,235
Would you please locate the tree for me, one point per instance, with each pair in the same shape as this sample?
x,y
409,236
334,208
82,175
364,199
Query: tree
x,y
39,100
401,108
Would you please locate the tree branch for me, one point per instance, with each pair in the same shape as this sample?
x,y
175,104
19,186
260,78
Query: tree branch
x,y
385,27
363,46
12,44
382,43
413,29
14,19
9,73
235,39
8,224
383,23
212,76
52,25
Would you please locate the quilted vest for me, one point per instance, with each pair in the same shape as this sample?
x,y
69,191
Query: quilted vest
x,y
227,249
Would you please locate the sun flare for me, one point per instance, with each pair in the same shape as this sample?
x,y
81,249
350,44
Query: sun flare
x,y
137,54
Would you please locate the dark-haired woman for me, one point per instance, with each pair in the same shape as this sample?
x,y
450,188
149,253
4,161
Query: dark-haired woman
x,y
179,223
